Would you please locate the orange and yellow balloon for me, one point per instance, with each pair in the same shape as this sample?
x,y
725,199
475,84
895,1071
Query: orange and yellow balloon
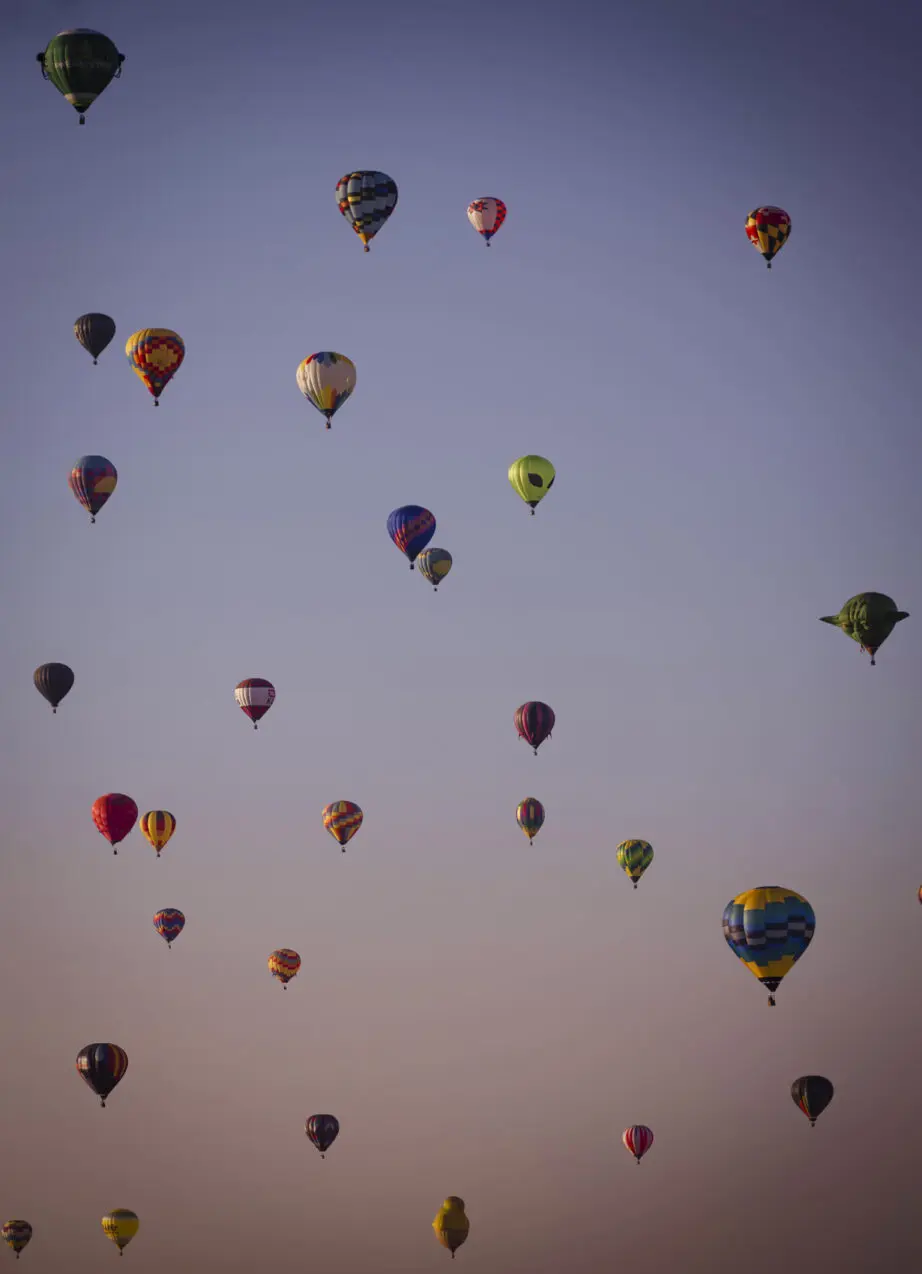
x,y
158,826
342,820
156,354
284,964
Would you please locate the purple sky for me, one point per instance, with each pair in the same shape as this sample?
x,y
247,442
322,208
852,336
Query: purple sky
x,y
737,451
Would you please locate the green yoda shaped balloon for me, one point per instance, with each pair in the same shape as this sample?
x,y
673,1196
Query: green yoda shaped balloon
x,y
869,619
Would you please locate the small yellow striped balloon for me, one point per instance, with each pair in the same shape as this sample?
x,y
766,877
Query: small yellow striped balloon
x,y
158,826
120,1225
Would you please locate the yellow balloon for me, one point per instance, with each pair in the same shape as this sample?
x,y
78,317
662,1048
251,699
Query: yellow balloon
x,y
451,1225
532,477
120,1225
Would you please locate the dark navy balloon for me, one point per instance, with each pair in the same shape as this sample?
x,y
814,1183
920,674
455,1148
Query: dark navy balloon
x,y
812,1094
52,681
322,1130
102,1066
411,527
94,332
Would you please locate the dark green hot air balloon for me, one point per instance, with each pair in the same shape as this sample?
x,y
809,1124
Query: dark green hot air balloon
x,y
94,332
80,63
53,681
869,619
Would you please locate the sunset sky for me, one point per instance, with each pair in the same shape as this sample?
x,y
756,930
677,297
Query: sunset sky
x,y
737,452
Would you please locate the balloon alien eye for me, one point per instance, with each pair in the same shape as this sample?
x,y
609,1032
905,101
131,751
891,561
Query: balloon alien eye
x,y
536,480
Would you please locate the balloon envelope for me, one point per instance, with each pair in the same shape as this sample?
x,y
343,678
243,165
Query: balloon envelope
x,y
634,857
531,478
53,681
326,380
94,332
322,1130
767,229
169,923
92,480
80,63
155,354
434,565
486,216
16,1233
102,1067
534,722
411,527
158,826
366,199
255,696
284,964
638,1139
530,817
342,819
812,1094
120,1225
869,619
114,815
768,929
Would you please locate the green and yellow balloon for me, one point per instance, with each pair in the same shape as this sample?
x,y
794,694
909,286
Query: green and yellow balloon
x,y
634,857
532,477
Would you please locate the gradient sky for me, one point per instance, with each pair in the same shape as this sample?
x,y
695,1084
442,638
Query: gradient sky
x,y
737,453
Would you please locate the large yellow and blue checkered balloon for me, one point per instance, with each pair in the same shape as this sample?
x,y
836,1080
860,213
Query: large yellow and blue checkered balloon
x,y
769,929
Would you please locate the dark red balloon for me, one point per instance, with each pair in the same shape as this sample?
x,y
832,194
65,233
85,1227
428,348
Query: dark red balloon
x,y
534,722
114,815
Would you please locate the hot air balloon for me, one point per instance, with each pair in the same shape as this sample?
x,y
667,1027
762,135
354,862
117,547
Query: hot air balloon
x,y
326,380
530,817
434,565
114,815
284,964
769,929
155,354
80,64
158,826
451,1225
638,1139
53,681
120,1225
411,527
768,229
532,477
366,200
92,481
255,697
102,1066
322,1131
534,723
94,332
634,857
812,1094
342,819
486,216
17,1234
169,923
869,619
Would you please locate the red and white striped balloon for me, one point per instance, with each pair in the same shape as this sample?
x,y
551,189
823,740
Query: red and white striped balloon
x,y
638,1139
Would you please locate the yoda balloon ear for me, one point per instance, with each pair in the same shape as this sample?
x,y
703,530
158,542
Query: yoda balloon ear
x,y
830,619
900,614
